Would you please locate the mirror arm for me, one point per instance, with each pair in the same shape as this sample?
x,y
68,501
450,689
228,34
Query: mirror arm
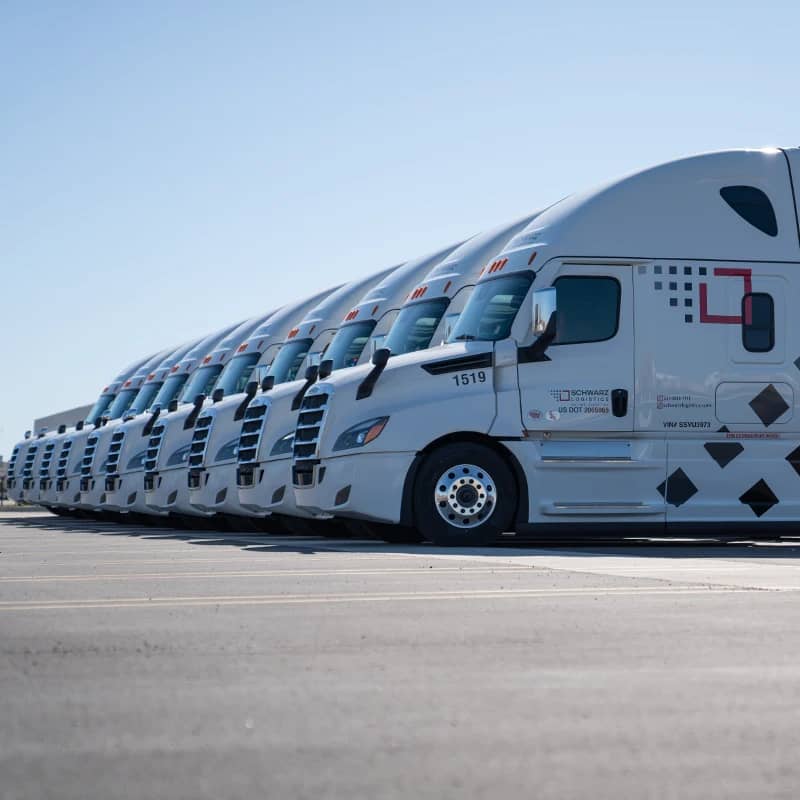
x,y
311,377
250,393
148,428
195,412
537,350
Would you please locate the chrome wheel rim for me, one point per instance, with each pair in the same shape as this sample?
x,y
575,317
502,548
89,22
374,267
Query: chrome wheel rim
x,y
465,496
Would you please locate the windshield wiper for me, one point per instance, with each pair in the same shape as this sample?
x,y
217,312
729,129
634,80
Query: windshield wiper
x,y
464,337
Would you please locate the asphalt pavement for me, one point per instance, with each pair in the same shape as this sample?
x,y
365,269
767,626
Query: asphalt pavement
x,y
150,663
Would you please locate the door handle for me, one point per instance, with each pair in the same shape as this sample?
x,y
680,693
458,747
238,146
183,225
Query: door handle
x,y
619,402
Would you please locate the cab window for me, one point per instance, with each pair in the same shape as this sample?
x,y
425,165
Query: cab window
x,y
587,309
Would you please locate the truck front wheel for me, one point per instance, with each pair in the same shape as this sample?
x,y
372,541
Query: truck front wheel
x,y
465,495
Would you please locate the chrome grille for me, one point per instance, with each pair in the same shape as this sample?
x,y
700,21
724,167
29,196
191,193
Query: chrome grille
x,y
252,427
88,456
12,465
63,459
114,452
200,438
27,467
154,447
47,459
309,425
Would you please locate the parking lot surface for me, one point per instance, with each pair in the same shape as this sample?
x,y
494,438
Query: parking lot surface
x,y
151,663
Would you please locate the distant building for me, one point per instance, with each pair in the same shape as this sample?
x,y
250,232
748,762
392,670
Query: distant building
x,y
68,418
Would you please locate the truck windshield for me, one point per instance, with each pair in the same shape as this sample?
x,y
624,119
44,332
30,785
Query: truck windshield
x,y
103,402
172,386
121,403
349,342
237,373
415,325
491,309
145,397
289,359
202,382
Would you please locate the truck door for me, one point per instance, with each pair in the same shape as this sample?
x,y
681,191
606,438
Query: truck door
x,y
578,408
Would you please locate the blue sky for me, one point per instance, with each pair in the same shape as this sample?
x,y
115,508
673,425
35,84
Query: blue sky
x,y
168,167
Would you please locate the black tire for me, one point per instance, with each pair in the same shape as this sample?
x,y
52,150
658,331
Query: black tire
x,y
460,475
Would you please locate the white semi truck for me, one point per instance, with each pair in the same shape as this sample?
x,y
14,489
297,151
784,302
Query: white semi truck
x,y
212,479
157,497
69,464
166,485
102,451
45,463
624,365
22,476
123,476
303,347
433,304
215,436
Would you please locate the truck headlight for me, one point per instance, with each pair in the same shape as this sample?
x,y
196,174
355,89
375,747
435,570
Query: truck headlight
x,y
361,434
284,445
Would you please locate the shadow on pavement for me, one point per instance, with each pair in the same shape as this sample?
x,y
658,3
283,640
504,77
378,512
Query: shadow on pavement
x,y
279,541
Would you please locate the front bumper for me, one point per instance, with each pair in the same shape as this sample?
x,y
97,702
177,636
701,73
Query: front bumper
x,y
168,492
266,488
68,492
125,494
212,490
362,486
93,494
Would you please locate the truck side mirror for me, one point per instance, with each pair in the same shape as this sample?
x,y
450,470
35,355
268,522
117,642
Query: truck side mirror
x,y
325,368
380,358
173,405
62,428
311,376
79,425
267,383
251,388
544,307
217,395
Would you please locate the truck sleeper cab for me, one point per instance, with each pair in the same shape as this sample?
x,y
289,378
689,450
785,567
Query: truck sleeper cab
x,y
428,314
123,477
211,477
29,453
364,327
263,470
169,443
589,387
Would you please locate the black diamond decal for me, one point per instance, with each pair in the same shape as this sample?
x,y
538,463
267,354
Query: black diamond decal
x,y
769,405
723,452
677,488
760,498
723,429
794,459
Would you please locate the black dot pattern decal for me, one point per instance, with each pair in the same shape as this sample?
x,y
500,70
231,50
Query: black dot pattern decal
x,y
675,299
723,452
677,488
760,498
